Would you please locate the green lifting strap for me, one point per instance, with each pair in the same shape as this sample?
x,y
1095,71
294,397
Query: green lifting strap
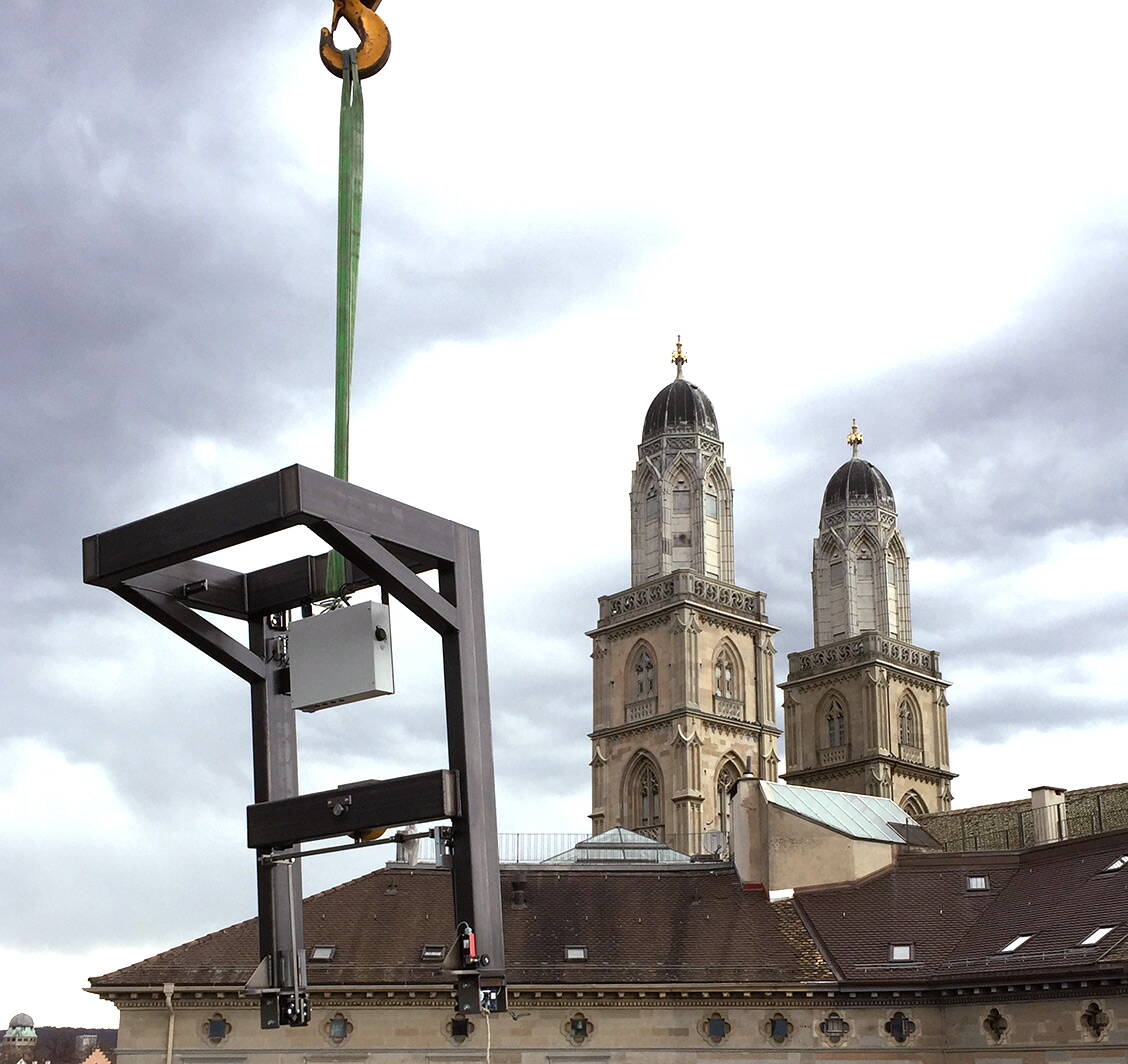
x,y
350,188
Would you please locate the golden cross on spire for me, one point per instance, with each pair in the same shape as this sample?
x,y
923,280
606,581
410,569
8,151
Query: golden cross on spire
x,y
678,357
855,437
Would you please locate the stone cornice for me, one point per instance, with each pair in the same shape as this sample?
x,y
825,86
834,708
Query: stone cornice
x,y
1008,986
850,768
683,587
868,648
664,720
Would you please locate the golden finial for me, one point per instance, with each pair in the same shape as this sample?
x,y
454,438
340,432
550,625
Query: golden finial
x,y
855,437
678,357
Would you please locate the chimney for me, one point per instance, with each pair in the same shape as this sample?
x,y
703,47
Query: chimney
x,y
748,824
1047,804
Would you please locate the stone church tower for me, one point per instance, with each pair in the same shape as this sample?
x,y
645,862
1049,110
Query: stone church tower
x,y
682,660
864,709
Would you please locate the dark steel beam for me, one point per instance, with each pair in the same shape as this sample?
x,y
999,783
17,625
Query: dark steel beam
x,y
294,495
200,585
192,628
274,747
353,808
422,536
391,574
202,526
474,856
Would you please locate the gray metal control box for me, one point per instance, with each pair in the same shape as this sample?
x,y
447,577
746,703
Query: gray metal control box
x,y
340,656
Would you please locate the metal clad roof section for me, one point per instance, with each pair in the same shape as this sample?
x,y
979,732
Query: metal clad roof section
x,y
861,816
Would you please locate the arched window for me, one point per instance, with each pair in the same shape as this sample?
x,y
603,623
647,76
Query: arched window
x,y
913,804
643,675
908,724
644,798
728,684
724,676
836,726
725,779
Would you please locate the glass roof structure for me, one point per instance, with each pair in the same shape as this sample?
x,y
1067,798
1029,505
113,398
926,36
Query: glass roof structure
x,y
861,816
619,844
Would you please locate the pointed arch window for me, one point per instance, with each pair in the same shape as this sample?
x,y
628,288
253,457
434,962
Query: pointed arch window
x,y
641,685
914,804
728,685
724,676
725,779
837,733
644,675
908,724
645,798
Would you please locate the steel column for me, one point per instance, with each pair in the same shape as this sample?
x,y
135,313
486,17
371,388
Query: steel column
x,y
274,745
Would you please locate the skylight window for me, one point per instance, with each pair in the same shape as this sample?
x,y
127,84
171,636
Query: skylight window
x,y
432,953
1118,864
575,953
1016,943
901,951
322,953
1097,935
978,883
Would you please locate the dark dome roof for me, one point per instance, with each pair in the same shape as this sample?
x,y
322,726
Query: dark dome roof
x,y
858,478
680,407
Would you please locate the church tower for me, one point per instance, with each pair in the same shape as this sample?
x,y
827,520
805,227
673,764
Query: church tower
x,y
865,709
683,681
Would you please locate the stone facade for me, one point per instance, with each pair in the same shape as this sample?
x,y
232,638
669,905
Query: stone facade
x,y
671,1024
866,710
683,687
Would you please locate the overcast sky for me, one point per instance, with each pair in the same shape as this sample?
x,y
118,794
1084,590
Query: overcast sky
x,y
913,216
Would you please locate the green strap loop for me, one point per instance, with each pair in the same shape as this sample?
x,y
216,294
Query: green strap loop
x,y
350,188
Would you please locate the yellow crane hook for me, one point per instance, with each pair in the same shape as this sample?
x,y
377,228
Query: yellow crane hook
x,y
375,42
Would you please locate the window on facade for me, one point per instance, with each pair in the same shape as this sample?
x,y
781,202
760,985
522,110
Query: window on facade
x,y
338,1028
779,1028
1016,943
652,505
681,501
900,1027
910,735
648,798
1118,864
644,676
575,953
1097,935
834,1028
322,953
710,505
725,779
978,883
836,725
724,676
837,574
901,951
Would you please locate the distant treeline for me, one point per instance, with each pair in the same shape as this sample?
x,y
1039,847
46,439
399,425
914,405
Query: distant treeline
x,y
60,1044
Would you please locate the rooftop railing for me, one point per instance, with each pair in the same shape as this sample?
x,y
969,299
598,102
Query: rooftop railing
x,y
578,848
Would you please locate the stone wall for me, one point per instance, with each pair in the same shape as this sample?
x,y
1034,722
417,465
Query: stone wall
x,y
628,1027
1010,825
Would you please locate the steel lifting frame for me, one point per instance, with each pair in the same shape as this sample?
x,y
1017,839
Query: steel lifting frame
x,y
152,563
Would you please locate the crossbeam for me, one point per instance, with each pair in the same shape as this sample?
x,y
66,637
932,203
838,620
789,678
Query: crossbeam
x,y
353,808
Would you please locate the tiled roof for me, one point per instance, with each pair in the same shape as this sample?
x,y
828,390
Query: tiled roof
x,y
1058,894
639,926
